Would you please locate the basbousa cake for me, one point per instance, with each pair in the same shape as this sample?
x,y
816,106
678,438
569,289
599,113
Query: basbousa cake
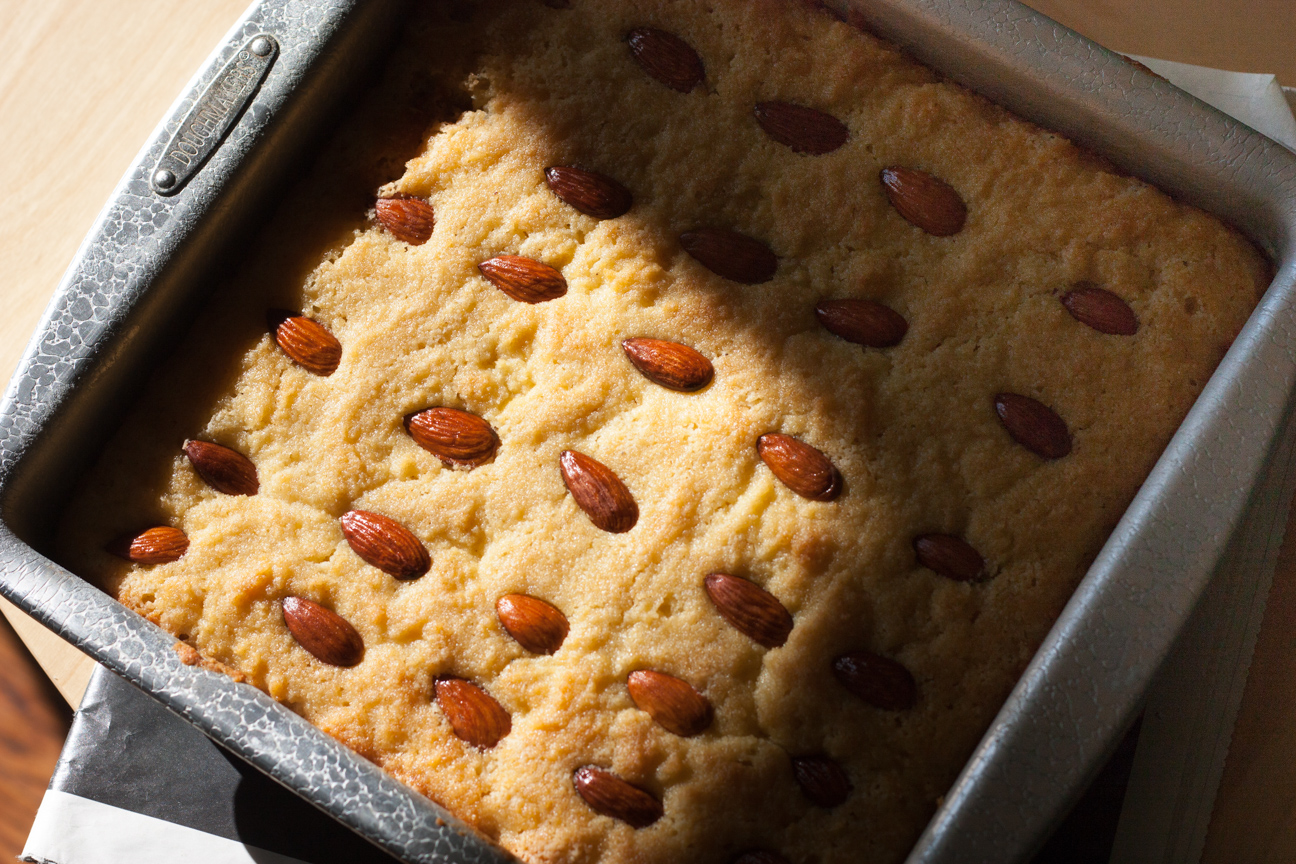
x,y
678,425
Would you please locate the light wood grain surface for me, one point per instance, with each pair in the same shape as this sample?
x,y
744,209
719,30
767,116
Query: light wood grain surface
x,y
84,82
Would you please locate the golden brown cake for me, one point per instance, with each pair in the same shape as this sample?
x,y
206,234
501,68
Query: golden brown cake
x,y
704,494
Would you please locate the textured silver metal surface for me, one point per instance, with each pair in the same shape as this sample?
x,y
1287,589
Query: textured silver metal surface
x,y
212,115
135,277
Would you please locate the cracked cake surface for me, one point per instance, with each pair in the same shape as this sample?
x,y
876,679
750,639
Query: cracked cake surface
x,y
759,577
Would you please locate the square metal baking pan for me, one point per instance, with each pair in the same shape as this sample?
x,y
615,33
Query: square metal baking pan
x,y
159,246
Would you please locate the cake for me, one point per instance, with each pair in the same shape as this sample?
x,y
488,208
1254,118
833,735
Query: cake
x,y
663,430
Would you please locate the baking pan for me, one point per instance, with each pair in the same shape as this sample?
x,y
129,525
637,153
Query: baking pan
x,y
260,107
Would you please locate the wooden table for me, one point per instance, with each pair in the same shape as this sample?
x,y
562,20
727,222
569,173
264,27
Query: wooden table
x,y
83,83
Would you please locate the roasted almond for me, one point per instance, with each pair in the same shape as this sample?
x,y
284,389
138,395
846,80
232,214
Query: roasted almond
x,y
386,544
879,681
599,492
674,704
322,632
473,713
456,437
1033,425
223,469
536,625
823,780
524,279
670,364
666,57
307,343
864,322
731,255
760,856
160,545
805,130
407,218
802,468
950,556
609,795
1100,309
589,192
752,610
920,198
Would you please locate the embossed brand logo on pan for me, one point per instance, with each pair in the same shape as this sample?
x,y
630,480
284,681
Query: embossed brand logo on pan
x,y
213,115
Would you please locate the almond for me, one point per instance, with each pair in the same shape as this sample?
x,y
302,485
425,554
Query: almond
x,y
802,468
805,130
473,713
589,192
523,278
407,218
924,201
307,343
536,625
670,364
864,322
223,469
160,545
823,780
1033,425
950,556
666,57
599,492
760,856
456,437
752,610
322,632
609,795
386,544
1100,309
674,704
879,681
731,255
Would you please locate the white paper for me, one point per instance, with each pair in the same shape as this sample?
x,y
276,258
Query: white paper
x,y
70,829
